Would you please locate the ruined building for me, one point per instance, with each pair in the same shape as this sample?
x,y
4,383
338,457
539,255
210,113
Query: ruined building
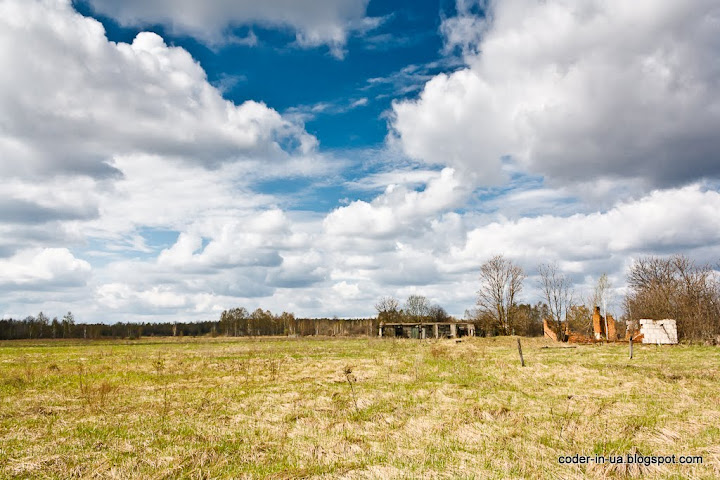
x,y
426,330
657,332
604,328
549,332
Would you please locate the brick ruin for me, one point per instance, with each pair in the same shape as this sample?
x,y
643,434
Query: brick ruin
x,y
549,332
656,332
604,329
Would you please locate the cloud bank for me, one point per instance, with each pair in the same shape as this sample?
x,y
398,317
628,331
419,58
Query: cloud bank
x,y
575,90
319,22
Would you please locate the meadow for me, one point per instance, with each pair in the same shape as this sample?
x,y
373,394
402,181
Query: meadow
x,y
352,408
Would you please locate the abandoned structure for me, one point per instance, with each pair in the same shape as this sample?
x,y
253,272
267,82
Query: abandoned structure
x,y
427,330
657,332
603,329
549,332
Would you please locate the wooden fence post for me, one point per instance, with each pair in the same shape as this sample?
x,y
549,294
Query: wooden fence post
x,y
522,360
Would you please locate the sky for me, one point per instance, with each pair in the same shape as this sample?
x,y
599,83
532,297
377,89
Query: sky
x,y
164,160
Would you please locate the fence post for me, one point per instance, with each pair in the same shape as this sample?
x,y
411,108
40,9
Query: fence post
x,y
522,360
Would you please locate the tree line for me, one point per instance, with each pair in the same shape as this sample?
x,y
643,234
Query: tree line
x,y
232,322
40,327
238,322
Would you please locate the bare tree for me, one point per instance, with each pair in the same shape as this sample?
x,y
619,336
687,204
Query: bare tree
x,y
557,289
438,314
601,297
500,285
417,307
388,309
601,294
675,287
579,319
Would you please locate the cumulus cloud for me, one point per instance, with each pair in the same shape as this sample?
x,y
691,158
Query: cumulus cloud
x,y
39,269
585,245
22,211
346,290
398,208
317,273
234,246
319,22
220,259
575,90
154,301
407,177
59,199
660,222
100,139
79,100
302,268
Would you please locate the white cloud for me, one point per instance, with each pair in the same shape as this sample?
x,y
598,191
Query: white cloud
x,y
121,295
38,269
236,244
320,22
100,139
407,177
360,102
576,90
320,274
346,290
409,265
300,268
79,100
398,208
661,222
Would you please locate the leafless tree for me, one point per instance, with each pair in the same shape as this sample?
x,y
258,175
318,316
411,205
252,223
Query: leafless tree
x,y
438,314
417,307
601,294
675,287
500,284
557,289
387,304
579,320
388,309
601,297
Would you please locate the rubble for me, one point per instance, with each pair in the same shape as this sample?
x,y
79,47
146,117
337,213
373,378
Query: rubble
x,y
657,332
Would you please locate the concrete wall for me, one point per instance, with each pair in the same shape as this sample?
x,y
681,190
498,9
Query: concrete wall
x,y
659,331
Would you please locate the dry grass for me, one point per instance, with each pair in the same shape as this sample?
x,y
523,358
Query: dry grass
x,y
360,408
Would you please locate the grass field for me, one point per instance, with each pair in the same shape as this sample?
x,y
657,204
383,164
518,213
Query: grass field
x,y
352,408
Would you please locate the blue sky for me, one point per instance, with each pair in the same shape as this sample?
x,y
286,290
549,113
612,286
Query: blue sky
x,y
167,162
407,35
343,102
